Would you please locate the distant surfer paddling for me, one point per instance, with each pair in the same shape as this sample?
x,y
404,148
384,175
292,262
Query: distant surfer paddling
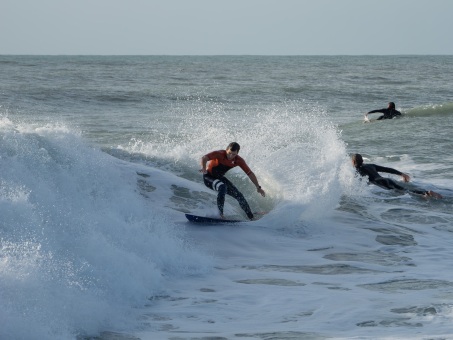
x,y
389,113
215,164
372,171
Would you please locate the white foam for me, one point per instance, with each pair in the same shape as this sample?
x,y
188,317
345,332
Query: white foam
x,y
81,248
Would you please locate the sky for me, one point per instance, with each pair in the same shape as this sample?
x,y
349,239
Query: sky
x,y
229,27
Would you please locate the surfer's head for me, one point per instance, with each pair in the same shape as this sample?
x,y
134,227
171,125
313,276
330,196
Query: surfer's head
x,y
357,159
391,105
232,150
233,146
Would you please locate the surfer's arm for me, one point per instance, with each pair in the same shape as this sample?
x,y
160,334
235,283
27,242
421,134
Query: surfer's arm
x,y
375,111
406,177
366,119
204,160
257,185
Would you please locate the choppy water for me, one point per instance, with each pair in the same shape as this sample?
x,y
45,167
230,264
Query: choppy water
x,y
99,159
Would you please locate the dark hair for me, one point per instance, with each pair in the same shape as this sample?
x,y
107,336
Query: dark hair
x,y
392,105
357,158
233,146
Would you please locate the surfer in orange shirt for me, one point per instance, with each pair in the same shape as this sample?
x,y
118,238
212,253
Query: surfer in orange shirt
x,y
215,164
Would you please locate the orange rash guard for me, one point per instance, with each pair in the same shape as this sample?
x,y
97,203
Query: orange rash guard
x,y
219,164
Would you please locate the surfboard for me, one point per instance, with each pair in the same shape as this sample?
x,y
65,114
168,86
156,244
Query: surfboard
x,y
203,219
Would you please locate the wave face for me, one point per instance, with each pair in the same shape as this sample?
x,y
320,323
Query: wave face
x,y
80,250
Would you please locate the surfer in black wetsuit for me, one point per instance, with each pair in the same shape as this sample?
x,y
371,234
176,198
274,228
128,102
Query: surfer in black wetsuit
x,y
388,113
372,171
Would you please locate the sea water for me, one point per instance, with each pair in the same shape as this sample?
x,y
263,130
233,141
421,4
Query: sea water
x,y
99,161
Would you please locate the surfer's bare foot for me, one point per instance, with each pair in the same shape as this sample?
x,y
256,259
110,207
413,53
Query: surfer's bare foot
x,y
222,216
433,194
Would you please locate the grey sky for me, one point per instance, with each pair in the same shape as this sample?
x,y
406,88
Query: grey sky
x,y
213,27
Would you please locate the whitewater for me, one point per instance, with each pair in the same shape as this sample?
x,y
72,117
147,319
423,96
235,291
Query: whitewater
x,y
99,161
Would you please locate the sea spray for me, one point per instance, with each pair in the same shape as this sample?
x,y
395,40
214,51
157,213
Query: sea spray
x,y
293,148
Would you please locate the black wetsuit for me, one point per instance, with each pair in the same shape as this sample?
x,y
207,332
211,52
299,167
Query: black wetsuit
x,y
388,113
215,179
224,186
372,171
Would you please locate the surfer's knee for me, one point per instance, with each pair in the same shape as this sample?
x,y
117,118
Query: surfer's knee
x,y
221,188
218,185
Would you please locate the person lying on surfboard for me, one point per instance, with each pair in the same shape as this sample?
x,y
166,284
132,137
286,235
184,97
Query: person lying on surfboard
x,y
372,171
388,113
215,164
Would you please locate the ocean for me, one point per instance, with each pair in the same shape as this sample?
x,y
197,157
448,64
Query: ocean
x,y
100,159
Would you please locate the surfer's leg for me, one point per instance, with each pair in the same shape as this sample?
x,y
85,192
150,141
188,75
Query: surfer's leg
x,y
220,187
388,183
235,193
426,193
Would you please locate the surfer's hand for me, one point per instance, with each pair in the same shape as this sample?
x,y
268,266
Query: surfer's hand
x,y
261,191
406,177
